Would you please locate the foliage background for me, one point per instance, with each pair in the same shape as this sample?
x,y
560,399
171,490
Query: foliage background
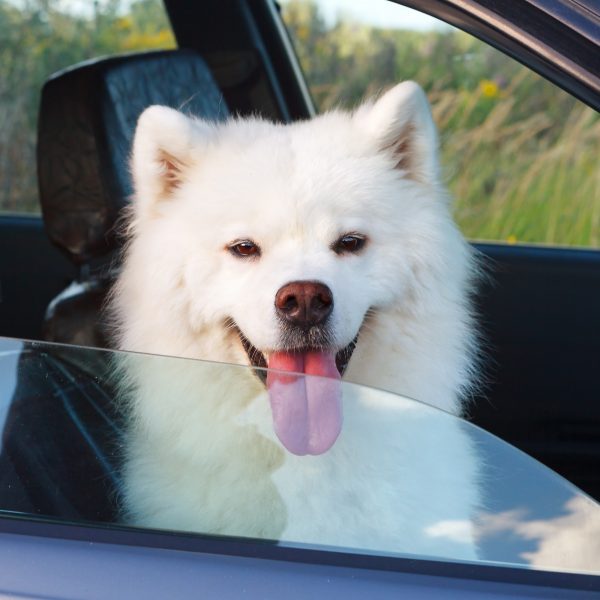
x,y
520,156
39,37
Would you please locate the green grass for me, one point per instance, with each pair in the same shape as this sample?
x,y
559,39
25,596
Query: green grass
x,y
529,180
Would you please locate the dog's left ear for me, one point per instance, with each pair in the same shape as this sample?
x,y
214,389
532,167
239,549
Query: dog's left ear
x,y
164,149
400,122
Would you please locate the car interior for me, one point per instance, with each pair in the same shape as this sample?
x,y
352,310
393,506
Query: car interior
x,y
537,306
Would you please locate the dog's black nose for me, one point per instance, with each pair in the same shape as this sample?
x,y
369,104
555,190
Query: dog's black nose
x,y
304,303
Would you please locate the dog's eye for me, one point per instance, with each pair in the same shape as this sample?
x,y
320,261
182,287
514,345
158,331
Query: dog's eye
x,y
244,248
350,244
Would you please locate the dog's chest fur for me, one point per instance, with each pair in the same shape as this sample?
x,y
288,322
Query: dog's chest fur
x,y
397,470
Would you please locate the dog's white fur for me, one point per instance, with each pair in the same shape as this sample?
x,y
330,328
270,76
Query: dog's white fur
x,y
202,455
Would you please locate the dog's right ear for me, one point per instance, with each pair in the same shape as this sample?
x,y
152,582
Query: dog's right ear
x,y
401,124
163,152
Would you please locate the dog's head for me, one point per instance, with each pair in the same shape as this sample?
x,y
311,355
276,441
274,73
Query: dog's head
x,y
287,236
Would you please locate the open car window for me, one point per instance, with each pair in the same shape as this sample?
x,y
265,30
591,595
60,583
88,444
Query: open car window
x,y
519,154
69,455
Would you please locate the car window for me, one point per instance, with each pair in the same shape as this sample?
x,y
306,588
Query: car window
x,y
38,38
520,155
70,453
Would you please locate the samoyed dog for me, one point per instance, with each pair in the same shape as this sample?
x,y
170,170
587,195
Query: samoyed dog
x,y
324,248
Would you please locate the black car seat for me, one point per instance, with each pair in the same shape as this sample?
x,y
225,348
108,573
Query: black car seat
x,y
87,119
62,438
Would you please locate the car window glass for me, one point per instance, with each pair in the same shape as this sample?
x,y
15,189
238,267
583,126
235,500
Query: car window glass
x,y
69,453
520,155
40,37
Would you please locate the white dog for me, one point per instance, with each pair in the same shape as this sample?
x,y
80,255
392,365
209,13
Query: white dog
x,y
324,247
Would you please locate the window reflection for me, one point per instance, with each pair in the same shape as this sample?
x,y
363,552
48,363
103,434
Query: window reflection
x,y
68,453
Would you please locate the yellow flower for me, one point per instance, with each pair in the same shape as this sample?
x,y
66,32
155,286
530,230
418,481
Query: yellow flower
x,y
124,23
511,239
303,32
143,41
489,88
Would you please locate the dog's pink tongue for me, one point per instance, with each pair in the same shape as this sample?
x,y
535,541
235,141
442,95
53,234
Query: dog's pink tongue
x,y
307,411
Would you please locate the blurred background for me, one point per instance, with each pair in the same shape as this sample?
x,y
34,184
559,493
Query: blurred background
x,y
521,157
39,37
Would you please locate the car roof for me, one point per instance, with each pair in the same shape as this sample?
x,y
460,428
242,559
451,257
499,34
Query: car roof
x,y
559,39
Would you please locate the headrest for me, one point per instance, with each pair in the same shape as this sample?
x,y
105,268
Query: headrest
x,y
87,119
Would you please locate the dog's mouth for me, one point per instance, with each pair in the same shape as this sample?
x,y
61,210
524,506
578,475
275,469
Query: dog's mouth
x,y
261,361
305,392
